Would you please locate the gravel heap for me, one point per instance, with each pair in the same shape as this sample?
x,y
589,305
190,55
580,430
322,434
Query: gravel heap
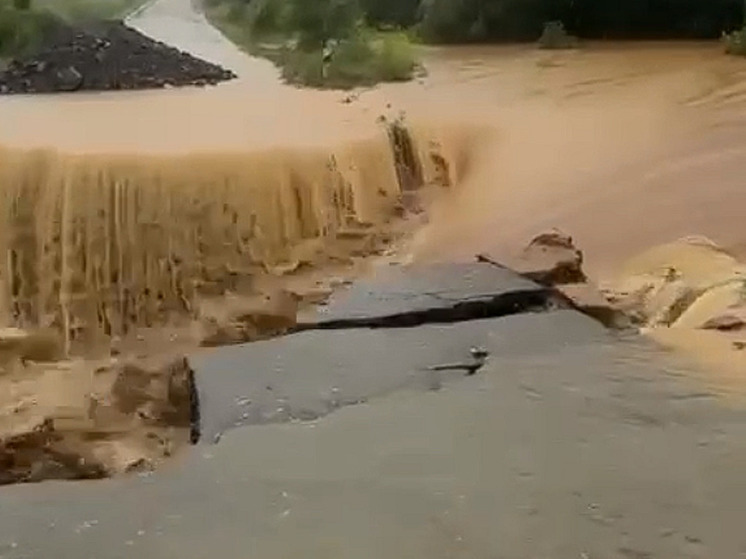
x,y
106,56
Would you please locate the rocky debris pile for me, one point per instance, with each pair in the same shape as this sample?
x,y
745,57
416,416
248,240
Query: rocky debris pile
x,y
106,56
551,259
86,420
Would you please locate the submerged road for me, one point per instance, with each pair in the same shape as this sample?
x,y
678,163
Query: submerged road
x,y
570,442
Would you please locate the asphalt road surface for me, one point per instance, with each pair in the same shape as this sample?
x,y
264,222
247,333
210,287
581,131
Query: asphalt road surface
x,y
571,442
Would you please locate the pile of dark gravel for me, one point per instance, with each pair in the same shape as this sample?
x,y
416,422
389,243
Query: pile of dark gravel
x,y
106,56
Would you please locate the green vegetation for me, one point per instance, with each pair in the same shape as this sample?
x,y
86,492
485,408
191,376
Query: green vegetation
x,y
735,42
511,20
317,43
82,10
293,33
24,24
555,36
21,30
364,59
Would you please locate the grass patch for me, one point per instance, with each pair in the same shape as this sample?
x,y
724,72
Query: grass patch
x,y
735,42
74,11
23,31
366,58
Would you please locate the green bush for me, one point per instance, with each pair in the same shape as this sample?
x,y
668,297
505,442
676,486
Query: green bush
x,y
352,64
735,42
301,67
447,21
556,37
363,59
390,13
293,34
23,31
397,58
519,20
268,17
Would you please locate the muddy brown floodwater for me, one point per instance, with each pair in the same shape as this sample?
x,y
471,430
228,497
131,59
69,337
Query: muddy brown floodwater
x,y
589,450
648,136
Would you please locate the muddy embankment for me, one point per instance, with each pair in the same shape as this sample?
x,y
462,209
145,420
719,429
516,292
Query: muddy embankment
x,y
113,264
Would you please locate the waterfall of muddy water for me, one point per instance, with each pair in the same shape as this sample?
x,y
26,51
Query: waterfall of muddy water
x,y
623,146
118,209
103,242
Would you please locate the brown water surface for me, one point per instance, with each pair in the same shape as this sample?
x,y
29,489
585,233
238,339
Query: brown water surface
x,y
623,145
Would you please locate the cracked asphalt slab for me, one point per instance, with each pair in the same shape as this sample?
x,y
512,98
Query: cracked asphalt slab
x,y
308,375
403,329
570,442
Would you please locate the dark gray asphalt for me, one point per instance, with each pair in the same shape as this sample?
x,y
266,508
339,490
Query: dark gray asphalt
x,y
310,374
570,442
401,289
587,449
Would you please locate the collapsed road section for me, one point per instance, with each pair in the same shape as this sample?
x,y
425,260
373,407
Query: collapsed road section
x,y
406,328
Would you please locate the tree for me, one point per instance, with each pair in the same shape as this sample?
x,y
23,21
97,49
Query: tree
x,y
402,13
318,21
461,20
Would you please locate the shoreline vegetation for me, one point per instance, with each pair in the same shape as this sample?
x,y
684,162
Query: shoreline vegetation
x,y
377,40
342,44
327,44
